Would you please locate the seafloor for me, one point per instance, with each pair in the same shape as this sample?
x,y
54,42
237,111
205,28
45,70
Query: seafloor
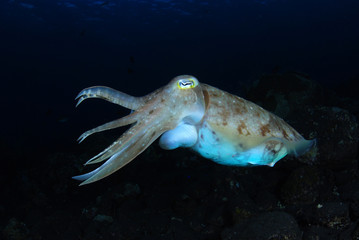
x,y
179,195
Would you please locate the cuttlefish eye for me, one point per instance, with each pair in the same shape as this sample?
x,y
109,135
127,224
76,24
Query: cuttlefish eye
x,y
186,83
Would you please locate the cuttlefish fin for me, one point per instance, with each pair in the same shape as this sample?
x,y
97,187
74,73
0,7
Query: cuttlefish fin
x,y
270,151
303,146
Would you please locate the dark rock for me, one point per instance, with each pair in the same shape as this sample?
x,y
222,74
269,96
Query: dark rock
x,y
242,208
241,214
345,176
337,135
131,190
216,216
354,204
156,224
285,93
267,226
179,195
351,233
334,215
302,186
348,189
103,218
319,232
350,193
15,230
185,205
181,230
266,200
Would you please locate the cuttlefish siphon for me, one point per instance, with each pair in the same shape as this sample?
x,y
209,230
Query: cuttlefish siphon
x,y
216,124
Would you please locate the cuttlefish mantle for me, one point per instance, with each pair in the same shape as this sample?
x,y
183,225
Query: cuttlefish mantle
x,y
185,113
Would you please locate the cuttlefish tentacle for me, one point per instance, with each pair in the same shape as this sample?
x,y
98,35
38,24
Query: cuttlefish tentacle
x,y
133,142
114,96
111,125
151,121
110,95
120,143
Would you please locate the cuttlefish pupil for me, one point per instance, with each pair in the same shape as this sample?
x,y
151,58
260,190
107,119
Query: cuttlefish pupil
x,y
187,83
216,124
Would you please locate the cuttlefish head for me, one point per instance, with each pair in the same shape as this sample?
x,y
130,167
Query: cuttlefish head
x,y
176,109
183,99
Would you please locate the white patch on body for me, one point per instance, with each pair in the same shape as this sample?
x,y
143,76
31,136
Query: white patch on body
x,y
184,135
213,146
216,147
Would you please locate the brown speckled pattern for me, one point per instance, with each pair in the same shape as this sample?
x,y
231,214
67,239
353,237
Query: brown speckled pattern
x,y
243,121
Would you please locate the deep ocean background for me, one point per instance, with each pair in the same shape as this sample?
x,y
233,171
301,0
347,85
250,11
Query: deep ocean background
x,y
50,50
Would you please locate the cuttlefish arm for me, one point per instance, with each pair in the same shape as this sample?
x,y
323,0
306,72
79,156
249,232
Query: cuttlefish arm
x,y
114,96
133,142
164,110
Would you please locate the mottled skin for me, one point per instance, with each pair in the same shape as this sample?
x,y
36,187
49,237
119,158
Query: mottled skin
x,y
220,126
245,125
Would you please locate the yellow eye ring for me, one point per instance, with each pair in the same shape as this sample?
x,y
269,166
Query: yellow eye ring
x,y
187,83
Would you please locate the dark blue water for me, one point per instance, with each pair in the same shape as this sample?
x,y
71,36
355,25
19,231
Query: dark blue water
x,y
50,50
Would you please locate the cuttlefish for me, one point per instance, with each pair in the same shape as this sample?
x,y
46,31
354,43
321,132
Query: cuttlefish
x,y
185,113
